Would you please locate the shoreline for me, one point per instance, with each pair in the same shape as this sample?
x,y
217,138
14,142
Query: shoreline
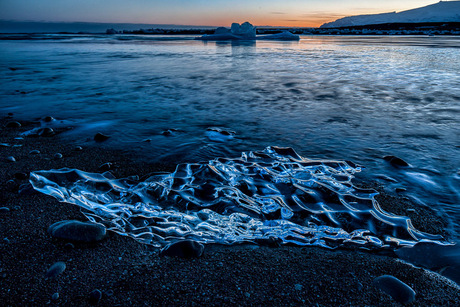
x,y
129,273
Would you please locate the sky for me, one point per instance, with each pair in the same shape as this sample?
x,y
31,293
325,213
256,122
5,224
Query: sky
x,y
293,13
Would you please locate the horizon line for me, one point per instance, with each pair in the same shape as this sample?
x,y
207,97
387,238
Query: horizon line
x,y
143,23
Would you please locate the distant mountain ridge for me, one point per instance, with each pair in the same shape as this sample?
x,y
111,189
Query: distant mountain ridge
x,y
443,11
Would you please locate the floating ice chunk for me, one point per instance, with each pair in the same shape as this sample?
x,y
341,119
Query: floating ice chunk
x,y
222,30
285,35
246,30
274,193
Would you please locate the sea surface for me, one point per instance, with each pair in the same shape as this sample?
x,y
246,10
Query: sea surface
x,y
341,98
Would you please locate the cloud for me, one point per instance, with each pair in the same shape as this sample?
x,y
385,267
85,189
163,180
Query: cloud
x,y
277,13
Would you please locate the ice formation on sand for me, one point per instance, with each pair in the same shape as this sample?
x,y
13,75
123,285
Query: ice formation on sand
x,y
273,194
245,31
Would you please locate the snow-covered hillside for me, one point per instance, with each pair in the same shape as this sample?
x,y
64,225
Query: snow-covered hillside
x,y
443,11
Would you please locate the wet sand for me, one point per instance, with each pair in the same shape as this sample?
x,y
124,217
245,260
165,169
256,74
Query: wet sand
x,y
131,274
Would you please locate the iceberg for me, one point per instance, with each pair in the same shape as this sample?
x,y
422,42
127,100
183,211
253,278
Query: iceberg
x,y
245,31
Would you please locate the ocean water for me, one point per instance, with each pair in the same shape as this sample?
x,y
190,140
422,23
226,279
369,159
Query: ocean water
x,y
331,98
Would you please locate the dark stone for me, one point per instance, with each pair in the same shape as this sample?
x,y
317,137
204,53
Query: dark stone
x,y
34,152
183,249
26,189
13,125
395,161
78,148
105,167
21,176
4,209
398,290
55,296
99,137
452,273
400,190
352,164
77,231
69,246
55,270
48,119
431,255
11,159
95,296
58,156
269,242
12,68
46,132
11,185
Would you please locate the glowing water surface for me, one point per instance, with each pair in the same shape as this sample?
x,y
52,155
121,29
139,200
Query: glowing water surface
x,y
339,98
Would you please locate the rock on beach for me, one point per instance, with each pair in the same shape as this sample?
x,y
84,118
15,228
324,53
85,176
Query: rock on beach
x,y
183,249
398,290
395,161
78,231
56,269
99,137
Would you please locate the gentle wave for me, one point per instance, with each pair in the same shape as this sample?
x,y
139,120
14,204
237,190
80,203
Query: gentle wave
x,y
270,194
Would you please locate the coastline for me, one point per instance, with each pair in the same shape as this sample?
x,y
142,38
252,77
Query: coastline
x,y
129,273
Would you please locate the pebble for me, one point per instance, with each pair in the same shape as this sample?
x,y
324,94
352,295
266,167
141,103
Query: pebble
x,y
34,152
21,176
398,290
169,132
77,231
395,161
6,240
298,287
13,125
95,296
99,137
69,246
56,269
48,119
183,249
4,209
105,167
46,132
11,185
26,189
78,148
55,296
57,156
11,159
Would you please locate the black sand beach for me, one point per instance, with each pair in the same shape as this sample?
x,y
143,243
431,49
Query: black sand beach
x,y
128,273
